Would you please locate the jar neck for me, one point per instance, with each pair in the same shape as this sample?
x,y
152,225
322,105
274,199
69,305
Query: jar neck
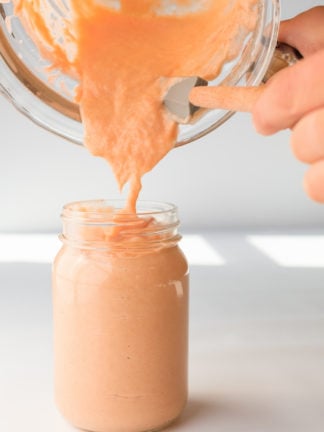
x,y
104,224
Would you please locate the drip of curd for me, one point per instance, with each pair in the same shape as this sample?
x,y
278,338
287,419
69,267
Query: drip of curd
x,y
125,55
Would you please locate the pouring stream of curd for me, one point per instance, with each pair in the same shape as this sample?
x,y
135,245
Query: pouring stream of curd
x,y
125,55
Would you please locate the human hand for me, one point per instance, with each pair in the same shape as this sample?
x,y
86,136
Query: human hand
x,y
294,97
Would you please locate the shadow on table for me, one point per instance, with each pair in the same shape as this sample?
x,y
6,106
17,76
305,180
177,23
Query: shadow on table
x,y
210,415
196,409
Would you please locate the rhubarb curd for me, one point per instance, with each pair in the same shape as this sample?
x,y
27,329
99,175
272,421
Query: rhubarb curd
x,y
120,281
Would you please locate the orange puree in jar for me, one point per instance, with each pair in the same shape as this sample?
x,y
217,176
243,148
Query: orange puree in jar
x,y
125,54
120,297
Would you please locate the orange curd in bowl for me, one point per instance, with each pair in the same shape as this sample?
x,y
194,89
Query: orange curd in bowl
x,y
125,55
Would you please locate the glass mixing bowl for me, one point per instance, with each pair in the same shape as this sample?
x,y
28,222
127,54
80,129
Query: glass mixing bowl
x,y
49,103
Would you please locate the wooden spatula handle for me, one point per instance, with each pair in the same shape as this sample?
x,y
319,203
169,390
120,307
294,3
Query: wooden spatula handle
x,y
226,98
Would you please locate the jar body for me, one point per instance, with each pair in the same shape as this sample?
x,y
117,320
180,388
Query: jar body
x,y
120,338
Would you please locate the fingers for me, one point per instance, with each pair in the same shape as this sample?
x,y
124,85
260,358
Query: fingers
x,y
314,181
305,32
307,138
294,98
291,94
298,90
307,142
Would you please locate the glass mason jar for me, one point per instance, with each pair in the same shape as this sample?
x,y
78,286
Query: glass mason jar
x,y
120,300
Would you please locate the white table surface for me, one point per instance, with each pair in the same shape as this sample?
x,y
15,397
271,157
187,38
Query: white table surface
x,y
256,346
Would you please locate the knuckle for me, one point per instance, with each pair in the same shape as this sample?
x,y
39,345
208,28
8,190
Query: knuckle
x,y
314,182
307,138
277,108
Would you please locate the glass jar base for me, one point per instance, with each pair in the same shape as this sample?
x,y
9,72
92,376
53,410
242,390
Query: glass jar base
x,y
155,429
164,425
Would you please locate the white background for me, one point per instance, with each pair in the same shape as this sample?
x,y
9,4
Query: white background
x,y
231,178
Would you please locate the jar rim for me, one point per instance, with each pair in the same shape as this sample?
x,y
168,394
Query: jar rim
x,y
103,224
106,209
